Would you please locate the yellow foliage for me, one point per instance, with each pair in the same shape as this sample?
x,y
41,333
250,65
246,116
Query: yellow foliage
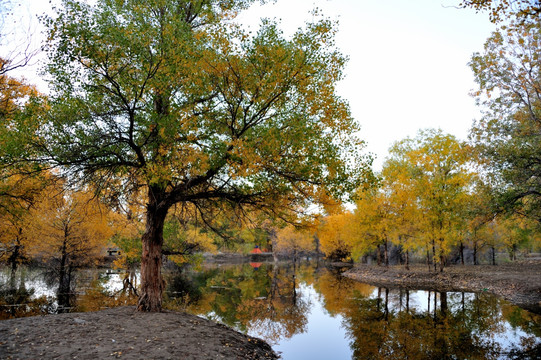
x,y
336,235
72,225
292,240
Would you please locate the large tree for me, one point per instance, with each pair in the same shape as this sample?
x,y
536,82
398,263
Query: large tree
x,y
508,137
173,97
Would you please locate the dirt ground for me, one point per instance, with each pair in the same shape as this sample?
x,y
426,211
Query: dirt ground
x,y
518,282
126,334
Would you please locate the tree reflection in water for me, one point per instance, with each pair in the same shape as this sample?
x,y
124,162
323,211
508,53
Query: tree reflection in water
x,y
380,323
278,302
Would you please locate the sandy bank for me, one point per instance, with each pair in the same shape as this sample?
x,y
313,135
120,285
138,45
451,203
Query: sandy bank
x,y
125,334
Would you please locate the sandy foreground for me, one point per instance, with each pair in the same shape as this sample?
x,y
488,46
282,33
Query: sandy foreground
x,y
518,282
126,334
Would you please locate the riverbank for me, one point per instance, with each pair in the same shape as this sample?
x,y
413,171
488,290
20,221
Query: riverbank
x,y
518,282
124,333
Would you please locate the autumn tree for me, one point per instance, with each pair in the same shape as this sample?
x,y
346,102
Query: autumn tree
x,y
173,98
438,166
405,214
372,219
19,195
73,231
335,235
501,10
20,186
515,233
293,241
507,137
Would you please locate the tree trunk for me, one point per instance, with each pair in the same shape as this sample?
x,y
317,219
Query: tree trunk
x,y
64,283
493,256
475,254
461,253
13,260
407,260
512,253
434,254
152,286
386,253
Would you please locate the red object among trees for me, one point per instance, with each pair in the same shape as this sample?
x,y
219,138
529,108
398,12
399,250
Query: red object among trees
x,y
256,251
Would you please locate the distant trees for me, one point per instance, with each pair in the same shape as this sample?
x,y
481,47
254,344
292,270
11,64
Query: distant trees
x,y
294,241
420,201
428,202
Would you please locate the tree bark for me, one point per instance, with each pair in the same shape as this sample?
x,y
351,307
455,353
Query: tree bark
x,y
152,285
64,283
407,260
386,252
434,254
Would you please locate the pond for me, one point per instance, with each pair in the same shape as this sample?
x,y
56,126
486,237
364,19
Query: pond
x,y
306,311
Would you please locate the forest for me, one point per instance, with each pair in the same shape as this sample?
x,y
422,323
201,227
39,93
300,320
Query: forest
x,y
170,132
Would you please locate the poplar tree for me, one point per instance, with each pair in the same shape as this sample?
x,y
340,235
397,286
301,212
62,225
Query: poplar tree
x,y
174,99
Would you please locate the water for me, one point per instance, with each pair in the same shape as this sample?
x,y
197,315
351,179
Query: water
x,y
310,312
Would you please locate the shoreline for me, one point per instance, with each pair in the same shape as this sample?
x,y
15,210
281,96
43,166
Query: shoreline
x,y
122,332
518,283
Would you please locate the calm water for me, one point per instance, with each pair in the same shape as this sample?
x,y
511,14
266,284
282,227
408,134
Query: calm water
x,y
311,312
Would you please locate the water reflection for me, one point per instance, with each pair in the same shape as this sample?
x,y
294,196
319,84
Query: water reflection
x,y
277,303
309,312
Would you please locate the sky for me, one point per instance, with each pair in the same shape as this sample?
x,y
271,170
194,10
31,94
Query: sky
x,y
408,60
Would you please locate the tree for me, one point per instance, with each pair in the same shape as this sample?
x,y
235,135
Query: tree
x,y
437,165
508,138
335,234
20,187
18,196
172,97
499,10
293,241
372,219
18,49
403,206
73,230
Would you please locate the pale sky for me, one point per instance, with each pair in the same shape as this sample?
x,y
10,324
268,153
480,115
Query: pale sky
x,y
408,61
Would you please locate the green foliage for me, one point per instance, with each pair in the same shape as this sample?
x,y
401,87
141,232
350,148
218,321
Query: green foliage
x,y
508,138
143,96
